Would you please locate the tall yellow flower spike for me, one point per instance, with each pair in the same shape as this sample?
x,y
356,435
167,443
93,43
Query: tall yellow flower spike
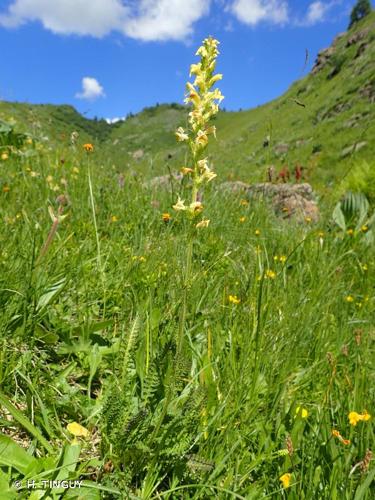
x,y
205,104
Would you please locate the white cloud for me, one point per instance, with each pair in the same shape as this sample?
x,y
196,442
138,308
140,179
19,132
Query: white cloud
x,y
81,17
316,12
116,119
165,19
146,20
91,89
254,11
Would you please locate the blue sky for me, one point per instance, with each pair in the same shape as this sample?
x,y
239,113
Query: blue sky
x,y
111,57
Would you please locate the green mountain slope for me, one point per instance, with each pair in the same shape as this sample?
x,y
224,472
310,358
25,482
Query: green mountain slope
x,y
325,122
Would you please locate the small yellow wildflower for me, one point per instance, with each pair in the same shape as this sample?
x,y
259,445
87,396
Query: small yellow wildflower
x,y
186,170
350,232
4,156
276,258
202,223
321,234
355,417
364,228
285,479
358,304
6,189
270,274
114,218
166,217
337,434
77,430
29,141
308,219
302,412
195,207
49,178
75,170
242,219
257,232
89,148
181,135
180,205
233,299
244,203
283,259
349,298
142,259
364,267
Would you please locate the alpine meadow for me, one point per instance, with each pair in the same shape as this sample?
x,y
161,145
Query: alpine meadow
x,y
188,294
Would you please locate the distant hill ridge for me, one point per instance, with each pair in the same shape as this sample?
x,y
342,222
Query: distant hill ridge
x,y
325,122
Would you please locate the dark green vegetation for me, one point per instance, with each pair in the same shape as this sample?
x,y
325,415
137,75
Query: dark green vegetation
x,y
361,9
279,333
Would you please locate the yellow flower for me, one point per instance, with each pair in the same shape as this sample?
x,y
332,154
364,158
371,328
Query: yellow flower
x,y
244,203
355,417
364,267
166,217
257,232
321,234
77,429
308,219
337,434
29,140
89,148
195,207
114,218
270,274
283,259
180,205
75,170
349,298
285,479
6,189
364,228
201,138
350,232
181,135
242,219
4,156
302,412
203,223
186,170
233,299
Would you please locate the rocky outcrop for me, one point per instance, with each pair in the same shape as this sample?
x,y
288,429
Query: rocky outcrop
x,y
322,59
288,201
353,148
163,181
357,37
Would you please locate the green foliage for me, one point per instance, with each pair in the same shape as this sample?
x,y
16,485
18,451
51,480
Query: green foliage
x,y
360,10
361,179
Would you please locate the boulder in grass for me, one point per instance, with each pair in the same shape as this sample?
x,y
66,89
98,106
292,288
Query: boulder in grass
x,y
289,201
163,181
234,187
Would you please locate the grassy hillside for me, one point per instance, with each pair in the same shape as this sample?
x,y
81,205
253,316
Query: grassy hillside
x,y
325,121
215,352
